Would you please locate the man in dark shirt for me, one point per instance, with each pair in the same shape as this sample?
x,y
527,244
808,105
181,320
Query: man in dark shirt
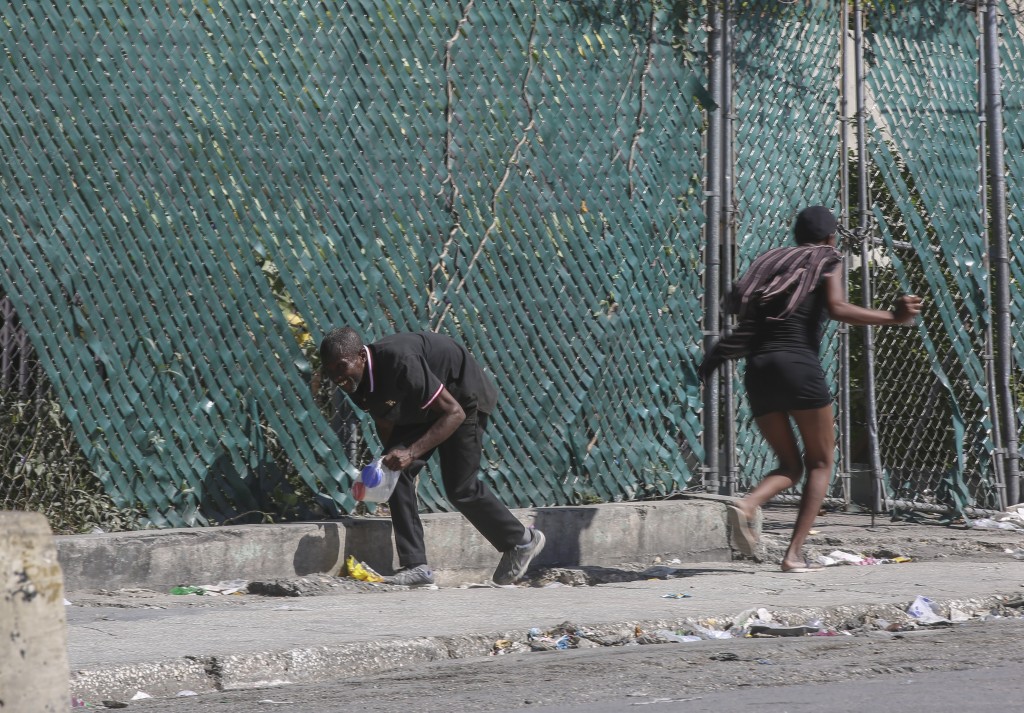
x,y
425,393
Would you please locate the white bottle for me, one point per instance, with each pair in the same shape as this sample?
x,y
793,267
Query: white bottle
x,y
375,483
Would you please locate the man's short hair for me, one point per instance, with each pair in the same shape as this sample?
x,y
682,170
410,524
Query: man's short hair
x,y
339,343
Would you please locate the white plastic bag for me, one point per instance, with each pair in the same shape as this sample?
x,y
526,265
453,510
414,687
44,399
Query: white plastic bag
x,y
375,483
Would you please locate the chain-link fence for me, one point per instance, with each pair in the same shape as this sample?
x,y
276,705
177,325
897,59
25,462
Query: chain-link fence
x,y
520,176
786,147
907,83
42,465
196,192
929,231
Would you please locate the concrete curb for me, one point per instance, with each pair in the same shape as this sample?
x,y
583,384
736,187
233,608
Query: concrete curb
x,y
691,530
322,663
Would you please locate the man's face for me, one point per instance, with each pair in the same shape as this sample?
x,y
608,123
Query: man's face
x,y
346,372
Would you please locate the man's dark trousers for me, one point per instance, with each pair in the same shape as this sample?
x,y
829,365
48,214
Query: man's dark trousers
x,y
460,468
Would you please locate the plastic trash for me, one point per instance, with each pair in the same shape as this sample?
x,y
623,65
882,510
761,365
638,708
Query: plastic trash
x,y
958,615
233,586
987,523
359,570
748,617
706,632
672,636
925,611
548,643
375,483
782,630
1010,519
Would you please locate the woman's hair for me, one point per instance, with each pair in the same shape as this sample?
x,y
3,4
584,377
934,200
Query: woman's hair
x,y
814,225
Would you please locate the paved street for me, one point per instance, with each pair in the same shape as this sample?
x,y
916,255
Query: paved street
x,y
942,670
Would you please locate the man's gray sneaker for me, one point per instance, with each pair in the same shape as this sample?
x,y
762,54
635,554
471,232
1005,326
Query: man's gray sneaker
x,y
516,561
419,576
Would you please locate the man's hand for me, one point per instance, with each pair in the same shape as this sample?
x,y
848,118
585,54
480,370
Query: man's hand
x,y
907,307
450,418
398,459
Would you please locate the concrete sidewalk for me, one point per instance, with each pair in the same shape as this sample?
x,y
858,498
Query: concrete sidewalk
x,y
120,644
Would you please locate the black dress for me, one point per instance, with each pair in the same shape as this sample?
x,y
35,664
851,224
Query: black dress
x,y
783,370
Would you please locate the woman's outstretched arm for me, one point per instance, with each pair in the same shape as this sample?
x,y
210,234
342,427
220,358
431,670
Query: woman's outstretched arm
x,y
907,307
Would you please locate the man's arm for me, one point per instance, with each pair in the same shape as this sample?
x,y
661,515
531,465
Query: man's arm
x,y
907,307
384,429
450,418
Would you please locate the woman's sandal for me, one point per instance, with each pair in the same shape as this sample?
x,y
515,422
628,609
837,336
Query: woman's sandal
x,y
806,567
746,537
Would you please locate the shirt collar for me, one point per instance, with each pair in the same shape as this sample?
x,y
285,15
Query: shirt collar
x,y
369,365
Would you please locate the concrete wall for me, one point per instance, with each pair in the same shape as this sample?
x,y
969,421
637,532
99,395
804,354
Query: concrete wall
x,y
33,631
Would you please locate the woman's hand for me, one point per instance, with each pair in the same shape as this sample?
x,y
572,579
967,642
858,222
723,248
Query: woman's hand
x,y
907,307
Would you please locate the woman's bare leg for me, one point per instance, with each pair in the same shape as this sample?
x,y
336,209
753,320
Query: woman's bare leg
x,y
818,435
778,432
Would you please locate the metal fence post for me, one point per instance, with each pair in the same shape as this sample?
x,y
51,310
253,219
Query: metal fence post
x,y
999,251
728,248
712,254
991,384
844,330
870,415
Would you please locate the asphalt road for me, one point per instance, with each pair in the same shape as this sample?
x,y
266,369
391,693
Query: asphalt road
x,y
967,666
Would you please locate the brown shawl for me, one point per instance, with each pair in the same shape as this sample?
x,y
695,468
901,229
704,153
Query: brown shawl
x,y
777,281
